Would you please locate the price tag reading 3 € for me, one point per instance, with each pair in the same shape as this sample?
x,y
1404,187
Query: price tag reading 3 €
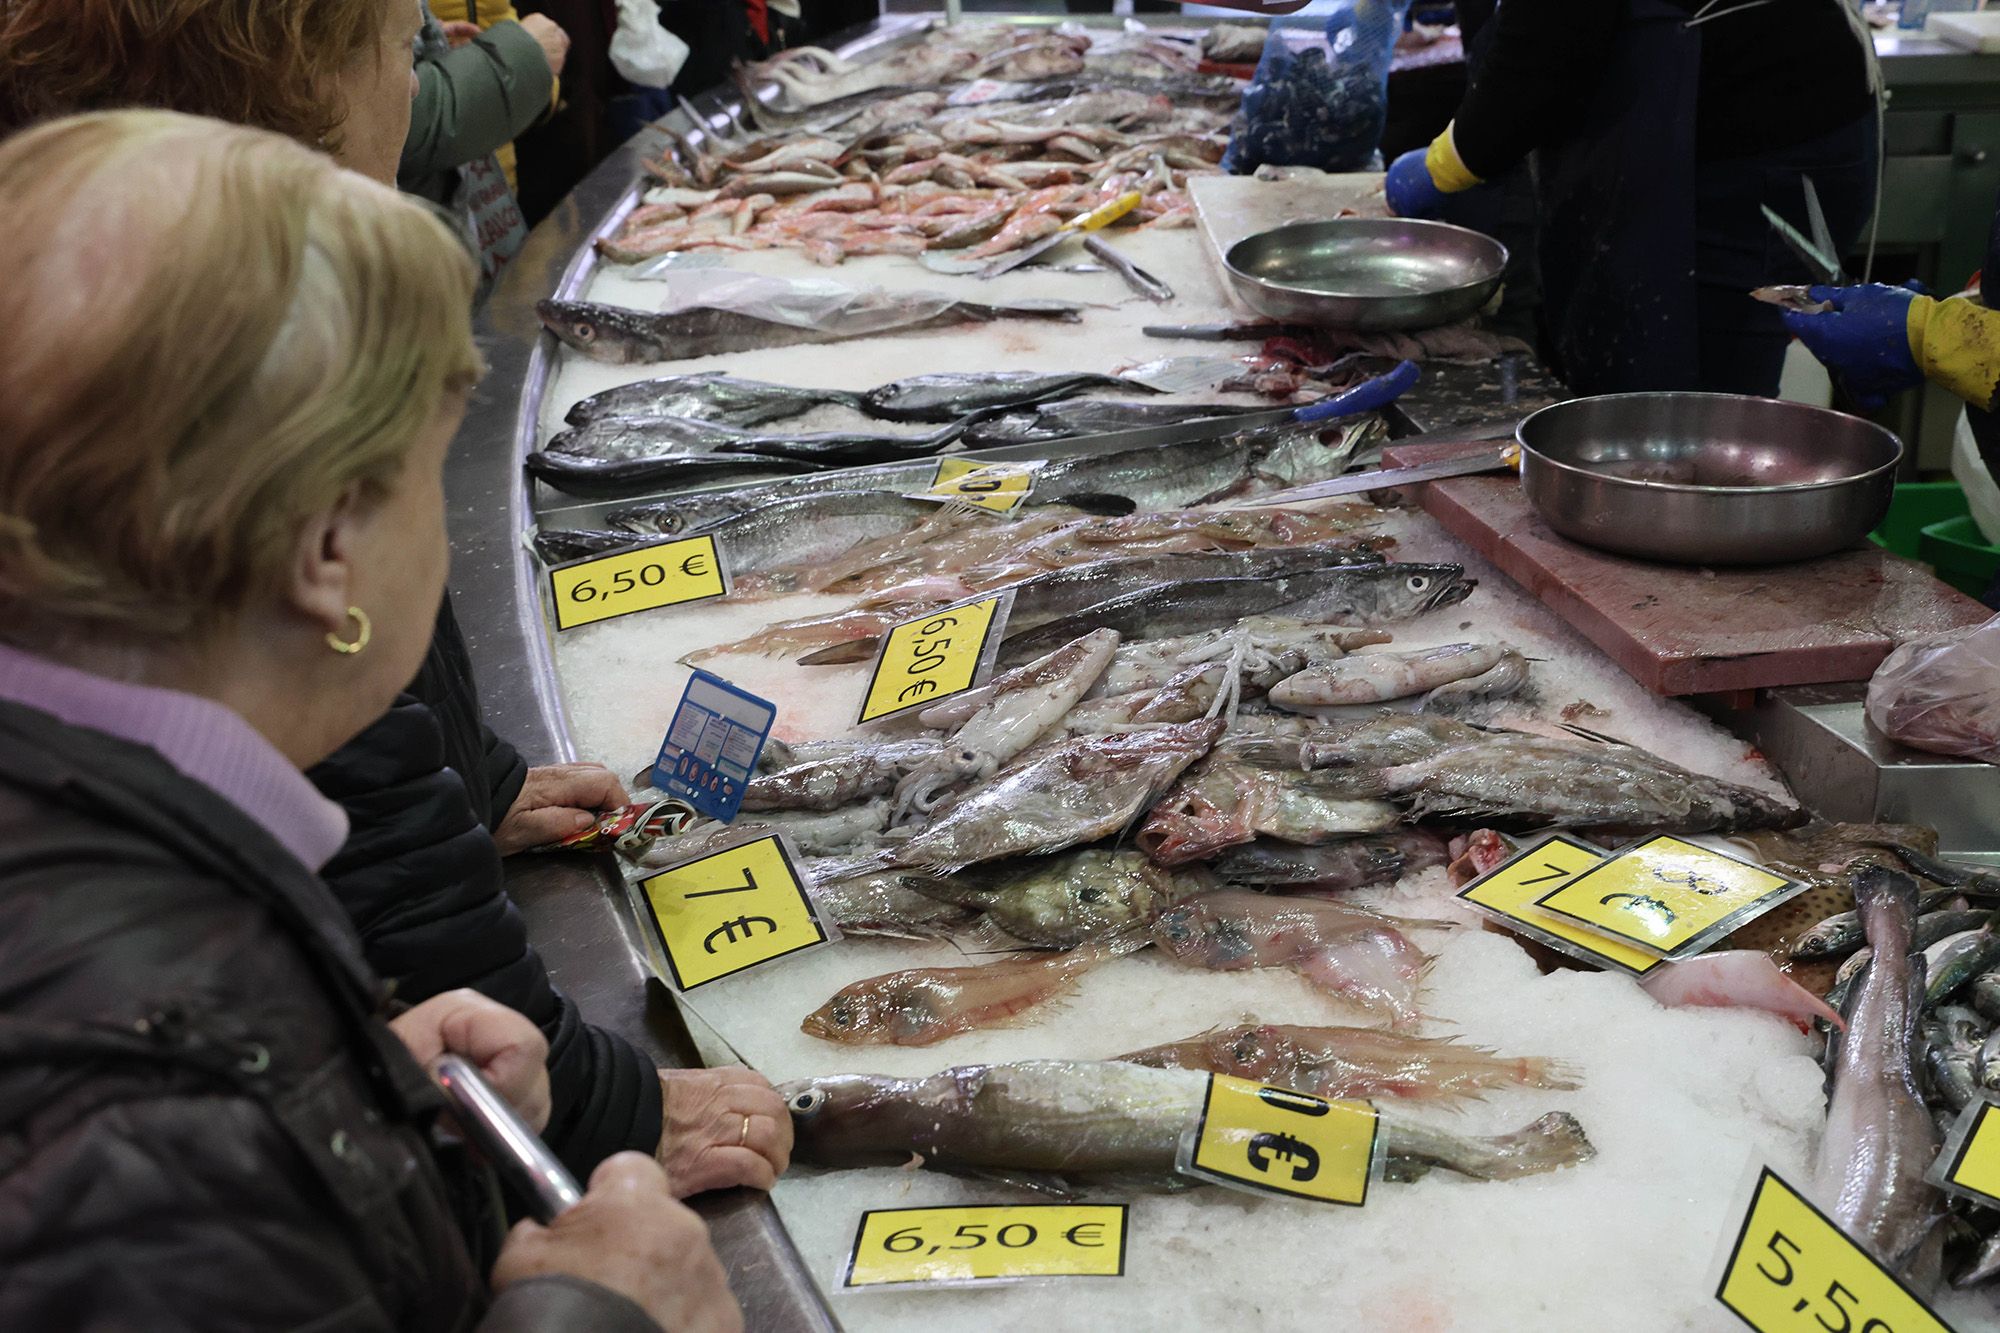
x,y
603,587
1282,1142
1668,896
1793,1271
999,488
987,1243
1970,1163
927,660
718,914
1507,893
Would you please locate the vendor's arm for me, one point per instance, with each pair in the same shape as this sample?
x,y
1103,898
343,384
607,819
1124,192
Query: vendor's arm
x,y
474,99
1880,340
1534,78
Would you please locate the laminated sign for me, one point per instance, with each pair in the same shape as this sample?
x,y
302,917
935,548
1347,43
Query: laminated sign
x,y
1508,892
930,659
1667,895
1277,1141
722,913
712,745
986,1243
999,488
604,587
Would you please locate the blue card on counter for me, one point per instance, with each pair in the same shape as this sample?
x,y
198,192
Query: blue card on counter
x,y
712,745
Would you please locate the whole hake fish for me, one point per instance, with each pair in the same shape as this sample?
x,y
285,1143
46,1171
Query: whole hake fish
x,y
1879,1140
1062,1127
706,395
680,437
1357,595
953,396
623,336
607,479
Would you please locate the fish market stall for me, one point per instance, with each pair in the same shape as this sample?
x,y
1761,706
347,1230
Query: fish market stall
x,y
1235,764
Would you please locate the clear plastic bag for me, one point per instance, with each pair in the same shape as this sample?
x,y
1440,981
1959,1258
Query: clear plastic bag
x,y
642,50
1942,693
1322,105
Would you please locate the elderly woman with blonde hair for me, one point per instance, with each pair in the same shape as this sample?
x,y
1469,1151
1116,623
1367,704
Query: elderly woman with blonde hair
x,y
229,372
434,798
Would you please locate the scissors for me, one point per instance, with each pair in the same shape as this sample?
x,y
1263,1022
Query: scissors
x,y
1819,254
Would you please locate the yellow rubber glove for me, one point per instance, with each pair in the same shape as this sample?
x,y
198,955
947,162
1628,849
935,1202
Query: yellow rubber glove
x,y
1421,179
1956,343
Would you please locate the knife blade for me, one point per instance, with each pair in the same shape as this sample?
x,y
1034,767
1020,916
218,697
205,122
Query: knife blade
x,y
1101,216
1354,483
1823,267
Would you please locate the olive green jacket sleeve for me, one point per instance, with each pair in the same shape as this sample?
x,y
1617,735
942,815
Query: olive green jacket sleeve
x,y
472,100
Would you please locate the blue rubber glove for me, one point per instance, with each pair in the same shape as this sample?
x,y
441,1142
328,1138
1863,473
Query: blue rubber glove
x,y
1864,340
1410,191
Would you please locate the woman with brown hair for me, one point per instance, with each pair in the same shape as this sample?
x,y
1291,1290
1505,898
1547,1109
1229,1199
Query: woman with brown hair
x,y
229,372
433,797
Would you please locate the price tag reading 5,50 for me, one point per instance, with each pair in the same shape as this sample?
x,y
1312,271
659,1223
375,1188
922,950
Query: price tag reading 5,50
x,y
663,574
930,659
716,915
987,1243
1793,1271
1282,1142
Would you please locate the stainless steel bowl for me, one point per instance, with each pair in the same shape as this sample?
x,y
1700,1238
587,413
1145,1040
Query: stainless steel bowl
x,y
1707,478
1367,273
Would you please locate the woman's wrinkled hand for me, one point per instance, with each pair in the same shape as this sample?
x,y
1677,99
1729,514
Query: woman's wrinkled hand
x,y
722,1127
508,1050
556,802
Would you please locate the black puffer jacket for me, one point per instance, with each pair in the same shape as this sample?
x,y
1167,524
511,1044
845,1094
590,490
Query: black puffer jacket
x,y
204,1123
422,880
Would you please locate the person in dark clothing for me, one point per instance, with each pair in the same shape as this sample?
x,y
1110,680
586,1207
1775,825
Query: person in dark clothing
x,y
211,1116
1660,129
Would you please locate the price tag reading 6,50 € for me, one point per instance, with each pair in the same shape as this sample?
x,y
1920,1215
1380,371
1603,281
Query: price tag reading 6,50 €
x,y
718,914
1282,1142
930,659
603,587
1793,1271
987,1243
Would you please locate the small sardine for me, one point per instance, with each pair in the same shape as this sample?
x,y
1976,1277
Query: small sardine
x,y
924,1005
1351,954
706,396
1356,1062
1955,960
1841,934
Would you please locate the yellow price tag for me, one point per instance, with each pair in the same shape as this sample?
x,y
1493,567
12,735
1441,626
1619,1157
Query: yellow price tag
x,y
662,574
1508,892
930,659
1283,1142
987,1243
718,914
1793,1271
1668,895
999,487
1970,1163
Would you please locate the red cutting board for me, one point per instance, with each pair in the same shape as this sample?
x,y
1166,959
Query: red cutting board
x,y
1684,630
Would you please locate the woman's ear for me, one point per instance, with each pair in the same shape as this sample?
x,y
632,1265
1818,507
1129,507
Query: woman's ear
x,y
322,578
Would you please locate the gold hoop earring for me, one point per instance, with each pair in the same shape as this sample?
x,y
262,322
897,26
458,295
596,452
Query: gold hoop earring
x,y
362,631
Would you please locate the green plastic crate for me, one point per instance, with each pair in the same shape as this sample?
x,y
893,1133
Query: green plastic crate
x,y
1916,506
1960,554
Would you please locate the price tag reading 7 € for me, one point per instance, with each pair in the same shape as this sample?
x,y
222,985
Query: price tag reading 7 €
x,y
1282,1142
716,915
929,659
1970,1163
602,587
999,487
987,1243
1793,1271
1507,893
1668,896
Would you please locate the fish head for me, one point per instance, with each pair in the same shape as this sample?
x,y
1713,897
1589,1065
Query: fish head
x,y
851,1016
606,333
882,1009
836,1120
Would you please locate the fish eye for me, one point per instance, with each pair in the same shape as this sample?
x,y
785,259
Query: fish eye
x,y
843,1014
1419,582
1090,895
808,1101
584,330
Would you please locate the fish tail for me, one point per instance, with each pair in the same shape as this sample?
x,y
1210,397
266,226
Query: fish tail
x,y
1887,900
1535,1071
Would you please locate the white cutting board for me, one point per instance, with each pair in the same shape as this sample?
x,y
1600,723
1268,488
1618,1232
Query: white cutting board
x,y
1232,207
1975,32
